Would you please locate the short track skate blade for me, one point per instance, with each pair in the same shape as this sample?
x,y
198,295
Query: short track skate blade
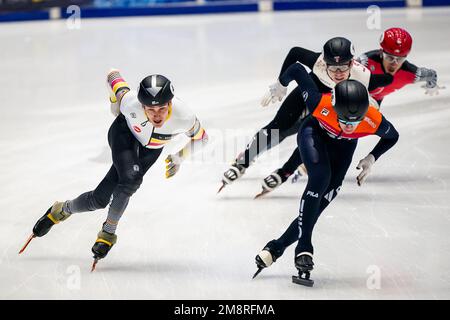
x,y
94,264
221,188
302,281
27,243
262,193
257,272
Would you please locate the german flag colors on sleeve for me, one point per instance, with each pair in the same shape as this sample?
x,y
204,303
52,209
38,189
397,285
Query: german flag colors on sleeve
x,y
117,83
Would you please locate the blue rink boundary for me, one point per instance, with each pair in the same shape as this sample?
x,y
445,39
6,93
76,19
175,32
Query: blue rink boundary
x,y
178,9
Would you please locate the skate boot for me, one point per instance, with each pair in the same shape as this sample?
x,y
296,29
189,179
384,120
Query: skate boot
x,y
55,214
234,172
273,181
300,172
268,255
102,245
304,264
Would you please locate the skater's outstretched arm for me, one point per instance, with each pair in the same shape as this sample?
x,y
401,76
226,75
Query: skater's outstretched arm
x,y
311,93
117,87
379,81
429,76
389,137
302,55
117,84
199,138
296,54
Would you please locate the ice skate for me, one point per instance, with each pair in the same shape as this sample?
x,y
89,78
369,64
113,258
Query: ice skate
x,y
300,172
268,255
102,245
54,215
234,172
304,264
272,181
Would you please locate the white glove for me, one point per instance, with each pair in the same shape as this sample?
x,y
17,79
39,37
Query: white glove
x,y
173,164
366,165
276,91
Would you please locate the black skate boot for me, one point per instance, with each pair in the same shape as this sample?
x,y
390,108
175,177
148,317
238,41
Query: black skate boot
x,y
54,215
268,255
300,172
304,264
234,172
102,245
273,181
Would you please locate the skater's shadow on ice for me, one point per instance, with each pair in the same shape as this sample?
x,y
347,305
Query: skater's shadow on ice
x,y
148,268
263,198
271,277
391,178
57,259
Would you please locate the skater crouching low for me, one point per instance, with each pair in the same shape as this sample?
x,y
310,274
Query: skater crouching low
x,y
146,121
326,141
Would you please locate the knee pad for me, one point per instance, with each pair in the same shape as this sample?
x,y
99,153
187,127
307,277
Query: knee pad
x,y
130,181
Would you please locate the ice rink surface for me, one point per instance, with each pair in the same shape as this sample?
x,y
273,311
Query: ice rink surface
x,y
388,239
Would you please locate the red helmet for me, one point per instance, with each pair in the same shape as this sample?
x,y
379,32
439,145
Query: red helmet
x,y
396,41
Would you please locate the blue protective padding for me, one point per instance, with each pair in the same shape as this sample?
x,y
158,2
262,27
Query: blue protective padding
x,y
151,11
24,16
308,5
434,3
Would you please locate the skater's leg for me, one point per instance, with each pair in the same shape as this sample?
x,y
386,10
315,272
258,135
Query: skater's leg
x,y
341,155
131,161
87,201
130,167
315,153
339,163
280,176
283,124
292,164
95,199
128,171
313,145
316,159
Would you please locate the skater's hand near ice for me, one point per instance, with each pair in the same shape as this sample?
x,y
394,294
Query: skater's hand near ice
x,y
173,162
430,76
366,165
432,89
276,91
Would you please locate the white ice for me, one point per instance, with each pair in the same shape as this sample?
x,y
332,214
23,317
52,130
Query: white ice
x,y
388,239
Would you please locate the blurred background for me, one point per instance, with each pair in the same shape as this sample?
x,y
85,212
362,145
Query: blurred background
x,y
15,10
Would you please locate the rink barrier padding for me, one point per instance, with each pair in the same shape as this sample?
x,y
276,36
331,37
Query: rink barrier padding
x,y
25,16
318,5
211,7
163,10
435,3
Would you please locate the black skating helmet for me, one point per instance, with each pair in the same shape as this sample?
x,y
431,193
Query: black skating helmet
x,y
337,51
350,100
155,90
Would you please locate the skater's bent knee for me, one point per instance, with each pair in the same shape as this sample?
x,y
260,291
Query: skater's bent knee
x,y
130,181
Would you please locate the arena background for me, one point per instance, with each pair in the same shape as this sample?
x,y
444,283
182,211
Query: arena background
x,y
16,10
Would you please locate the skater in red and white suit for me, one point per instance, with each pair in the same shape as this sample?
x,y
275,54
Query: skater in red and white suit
x,y
395,45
